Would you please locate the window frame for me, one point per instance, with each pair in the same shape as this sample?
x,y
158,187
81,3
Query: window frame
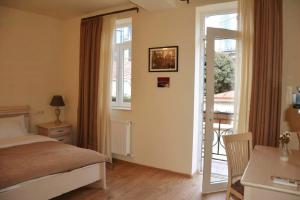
x,y
120,48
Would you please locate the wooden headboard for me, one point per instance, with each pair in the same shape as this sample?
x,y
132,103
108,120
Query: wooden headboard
x,y
11,111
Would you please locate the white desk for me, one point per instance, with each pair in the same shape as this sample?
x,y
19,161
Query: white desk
x,y
264,163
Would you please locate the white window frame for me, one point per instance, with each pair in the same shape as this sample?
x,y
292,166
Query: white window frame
x,y
119,103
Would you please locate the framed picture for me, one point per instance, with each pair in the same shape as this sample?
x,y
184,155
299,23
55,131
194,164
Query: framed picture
x,y
163,82
163,59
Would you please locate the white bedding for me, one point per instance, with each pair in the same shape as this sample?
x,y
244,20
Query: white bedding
x,y
24,139
12,126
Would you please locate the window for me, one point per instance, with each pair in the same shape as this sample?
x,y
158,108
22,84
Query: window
x,y
121,68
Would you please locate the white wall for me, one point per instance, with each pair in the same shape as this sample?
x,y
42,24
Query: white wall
x,y
39,57
30,62
71,43
291,65
162,117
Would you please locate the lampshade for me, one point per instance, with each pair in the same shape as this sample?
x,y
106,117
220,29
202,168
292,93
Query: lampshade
x,y
57,100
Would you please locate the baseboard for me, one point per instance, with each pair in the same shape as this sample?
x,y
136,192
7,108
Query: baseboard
x,y
115,160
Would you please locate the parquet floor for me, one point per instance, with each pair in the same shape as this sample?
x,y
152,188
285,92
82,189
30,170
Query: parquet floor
x,y
128,181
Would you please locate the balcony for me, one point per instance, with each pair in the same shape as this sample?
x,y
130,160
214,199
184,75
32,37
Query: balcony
x,y
222,125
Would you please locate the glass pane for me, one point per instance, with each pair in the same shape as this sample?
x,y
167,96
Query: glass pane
x,y
224,65
226,21
114,72
118,35
121,72
127,33
127,75
123,34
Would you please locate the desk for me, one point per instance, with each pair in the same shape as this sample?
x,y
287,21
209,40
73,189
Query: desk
x,y
264,163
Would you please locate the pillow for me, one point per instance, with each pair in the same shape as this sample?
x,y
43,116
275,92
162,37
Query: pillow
x,y
12,126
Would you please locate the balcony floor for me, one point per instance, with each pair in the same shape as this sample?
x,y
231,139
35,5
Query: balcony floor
x,y
219,171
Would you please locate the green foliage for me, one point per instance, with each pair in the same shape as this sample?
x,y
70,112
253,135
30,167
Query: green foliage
x,y
126,99
224,73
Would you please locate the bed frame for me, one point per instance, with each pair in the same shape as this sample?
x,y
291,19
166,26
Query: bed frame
x,y
53,185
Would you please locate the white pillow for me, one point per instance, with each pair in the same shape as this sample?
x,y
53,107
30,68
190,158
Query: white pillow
x,y
12,126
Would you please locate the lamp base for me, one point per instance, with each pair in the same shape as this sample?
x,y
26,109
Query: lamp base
x,y
57,122
57,113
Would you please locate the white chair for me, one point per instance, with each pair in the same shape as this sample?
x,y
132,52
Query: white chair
x,y
238,150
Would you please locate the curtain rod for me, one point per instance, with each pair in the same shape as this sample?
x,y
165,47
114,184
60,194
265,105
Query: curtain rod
x,y
114,12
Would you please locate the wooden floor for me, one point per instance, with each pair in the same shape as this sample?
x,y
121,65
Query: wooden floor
x,y
127,181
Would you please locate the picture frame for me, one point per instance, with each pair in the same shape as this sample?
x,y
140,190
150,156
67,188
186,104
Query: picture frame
x,y
163,59
163,82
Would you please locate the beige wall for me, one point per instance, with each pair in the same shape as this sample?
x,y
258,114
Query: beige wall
x,y
162,118
291,64
71,35
39,57
30,61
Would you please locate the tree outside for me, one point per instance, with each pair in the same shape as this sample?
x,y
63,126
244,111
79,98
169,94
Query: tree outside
x,y
224,72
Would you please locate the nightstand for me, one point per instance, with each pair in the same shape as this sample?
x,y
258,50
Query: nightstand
x,y
61,132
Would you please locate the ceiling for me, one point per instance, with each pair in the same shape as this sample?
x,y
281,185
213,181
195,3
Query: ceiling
x,y
63,9
66,9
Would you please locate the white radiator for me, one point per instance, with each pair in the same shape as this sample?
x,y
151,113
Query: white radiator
x,y
120,137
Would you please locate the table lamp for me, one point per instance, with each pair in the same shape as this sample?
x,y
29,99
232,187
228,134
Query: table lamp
x,y
296,100
57,101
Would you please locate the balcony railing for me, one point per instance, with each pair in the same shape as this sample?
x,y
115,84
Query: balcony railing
x,y
222,125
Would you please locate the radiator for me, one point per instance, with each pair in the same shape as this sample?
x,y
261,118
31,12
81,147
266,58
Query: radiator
x,y
120,137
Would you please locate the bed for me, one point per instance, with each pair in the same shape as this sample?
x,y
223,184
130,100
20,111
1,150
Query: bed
x,y
35,167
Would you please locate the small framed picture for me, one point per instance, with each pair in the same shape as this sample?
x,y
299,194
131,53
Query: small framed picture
x,y
163,59
163,82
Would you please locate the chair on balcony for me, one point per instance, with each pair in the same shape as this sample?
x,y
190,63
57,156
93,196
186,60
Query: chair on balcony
x,y
238,149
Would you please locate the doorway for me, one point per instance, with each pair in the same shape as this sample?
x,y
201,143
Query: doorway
x,y
219,105
218,61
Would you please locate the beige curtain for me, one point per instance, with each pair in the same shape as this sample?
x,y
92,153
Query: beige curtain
x,y
265,108
244,65
104,94
90,36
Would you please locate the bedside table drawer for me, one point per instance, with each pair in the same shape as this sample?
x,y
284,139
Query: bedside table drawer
x,y
59,132
64,139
